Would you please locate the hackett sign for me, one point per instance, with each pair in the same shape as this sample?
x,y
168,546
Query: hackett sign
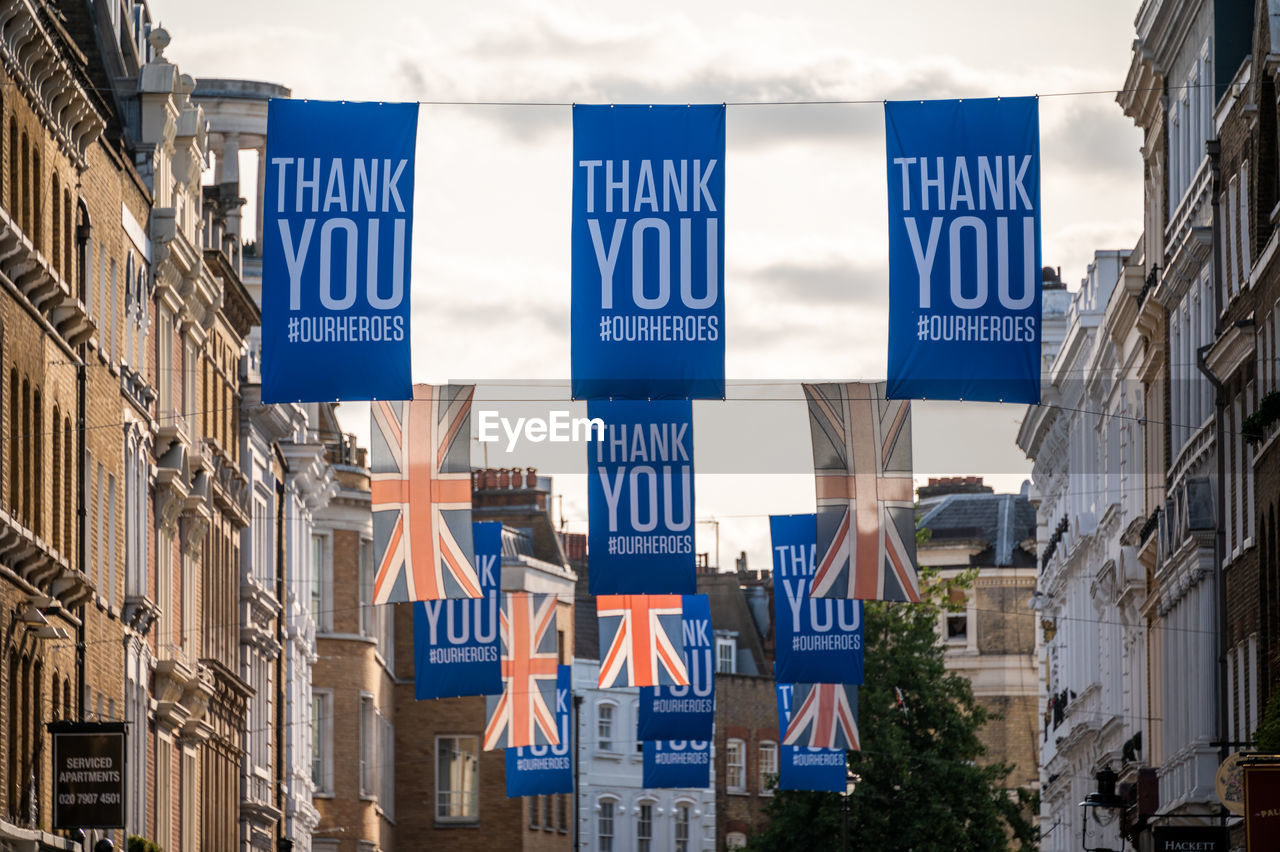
x,y
1184,838
88,775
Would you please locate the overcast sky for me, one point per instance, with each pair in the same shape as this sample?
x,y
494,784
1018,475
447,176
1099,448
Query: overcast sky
x,y
805,228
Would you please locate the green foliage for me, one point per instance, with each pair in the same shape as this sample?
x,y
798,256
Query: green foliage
x,y
142,844
919,787
1267,738
1256,424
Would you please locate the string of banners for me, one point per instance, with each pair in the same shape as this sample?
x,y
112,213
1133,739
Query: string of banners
x,y
647,337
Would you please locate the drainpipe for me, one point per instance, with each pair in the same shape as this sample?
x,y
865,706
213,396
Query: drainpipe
x,y
577,766
280,689
1214,149
82,547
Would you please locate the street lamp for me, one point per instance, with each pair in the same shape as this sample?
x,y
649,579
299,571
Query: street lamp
x,y
850,781
1102,807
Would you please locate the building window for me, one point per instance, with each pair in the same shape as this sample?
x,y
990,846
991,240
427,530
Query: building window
x,y
682,828
735,840
322,742
604,728
535,813
644,828
547,823
957,627
604,828
321,584
726,659
457,779
562,814
768,767
735,766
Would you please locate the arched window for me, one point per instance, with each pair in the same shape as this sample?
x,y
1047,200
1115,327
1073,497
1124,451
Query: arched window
x,y
644,826
55,535
68,484
13,770
84,267
55,251
68,241
37,465
605,814
683,812
37,200
25,218
25,432
15,184
15,435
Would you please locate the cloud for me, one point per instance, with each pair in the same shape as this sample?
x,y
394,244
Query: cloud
x,y
832,281
1094,139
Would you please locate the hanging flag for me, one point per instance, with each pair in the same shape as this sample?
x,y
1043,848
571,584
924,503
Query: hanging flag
x,y
337,228
544,769
640,498
455,642
964,249
522,714
817,639
684,712
676,763
643,641
824,715
420,469
804,767
648,252
866,518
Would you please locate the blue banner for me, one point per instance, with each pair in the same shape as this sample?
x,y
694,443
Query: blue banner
x,y
535,770
677,763
964,249
818,640
648,252
802,767
640,498
337,229
685,712
455,642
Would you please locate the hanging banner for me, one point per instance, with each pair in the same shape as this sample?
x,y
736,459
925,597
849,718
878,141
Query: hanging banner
x,y
964,249
641,640
337,229
640,498
88,775
421,493
817,639
866,515
685,712
523,714
455,642
542,769
648,252
823,715
803,767
678,763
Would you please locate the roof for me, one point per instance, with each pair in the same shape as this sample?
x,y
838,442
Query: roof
x,y
1003,521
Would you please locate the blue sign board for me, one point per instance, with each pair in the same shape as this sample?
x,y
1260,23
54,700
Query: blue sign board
x,y
677,763
540,769
648,252
818,640
640,498
964,249
685,712
337,229
805,768
455,642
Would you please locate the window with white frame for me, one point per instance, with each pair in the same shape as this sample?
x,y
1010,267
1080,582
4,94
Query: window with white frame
x,y
368,746
548,820
604,825
682,827
726,655
644,828
1246,252
605,714
321,584
188,811
457,778
735,840
368,612
535,813
768,766
735,761
322,741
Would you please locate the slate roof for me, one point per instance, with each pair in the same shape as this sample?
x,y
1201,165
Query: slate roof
x,y
1004,521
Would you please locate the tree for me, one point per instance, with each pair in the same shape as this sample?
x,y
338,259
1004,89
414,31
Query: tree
x,y
918,786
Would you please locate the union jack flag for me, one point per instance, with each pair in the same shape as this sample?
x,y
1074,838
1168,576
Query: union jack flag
x,y
421,484
866,515
643,635
524,714
824,715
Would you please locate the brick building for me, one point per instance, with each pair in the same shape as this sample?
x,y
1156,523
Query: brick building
x,y
992,642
